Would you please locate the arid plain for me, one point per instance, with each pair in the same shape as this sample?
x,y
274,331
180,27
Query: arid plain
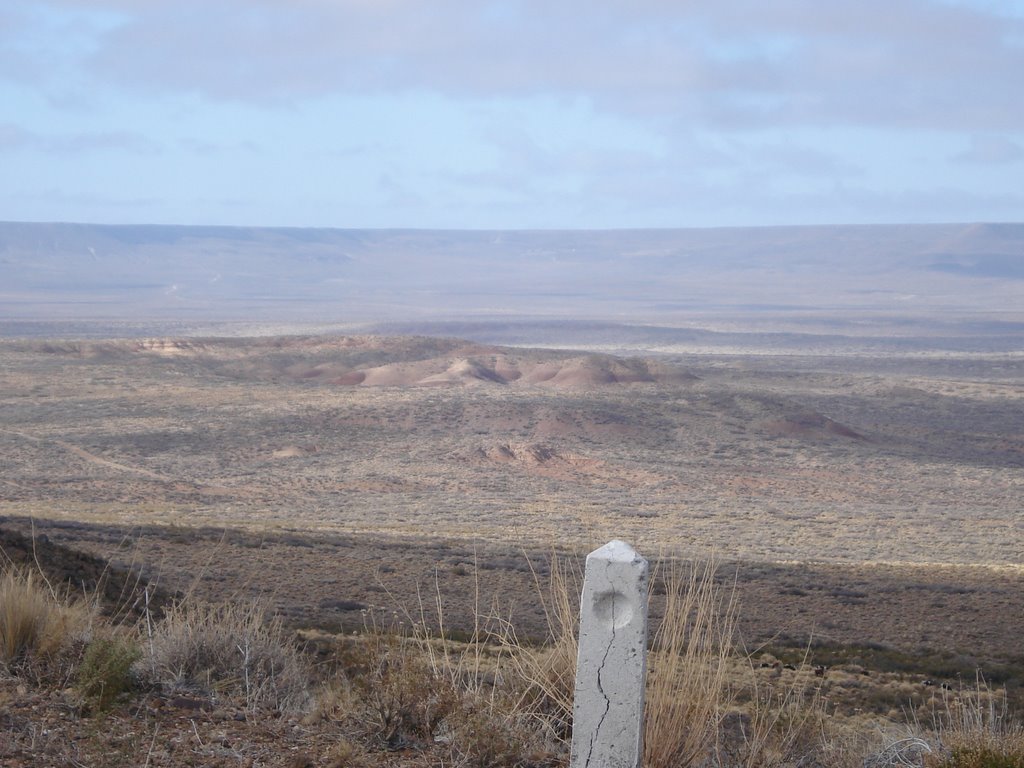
x,y
861,500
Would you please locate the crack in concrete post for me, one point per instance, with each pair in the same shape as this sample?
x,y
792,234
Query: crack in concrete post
x,y
600,686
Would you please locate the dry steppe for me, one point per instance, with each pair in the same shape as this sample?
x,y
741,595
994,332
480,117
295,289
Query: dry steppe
x,y
852,499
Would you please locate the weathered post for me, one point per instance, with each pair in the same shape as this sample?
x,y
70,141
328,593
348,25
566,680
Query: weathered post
x,y
608,705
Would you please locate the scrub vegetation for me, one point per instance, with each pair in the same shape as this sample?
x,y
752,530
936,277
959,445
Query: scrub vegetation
x,y
365,551
205,684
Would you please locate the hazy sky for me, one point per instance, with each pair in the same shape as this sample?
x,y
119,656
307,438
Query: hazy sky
x,y
504,114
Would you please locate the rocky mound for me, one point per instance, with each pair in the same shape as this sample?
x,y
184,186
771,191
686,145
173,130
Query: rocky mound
x,y
810,425
464,373
376,361
293,452
532,454
578,372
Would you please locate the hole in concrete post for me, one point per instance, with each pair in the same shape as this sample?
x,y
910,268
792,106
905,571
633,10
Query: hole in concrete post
x,y
613,608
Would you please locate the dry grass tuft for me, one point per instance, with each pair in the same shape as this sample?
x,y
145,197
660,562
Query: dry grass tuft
x,y
416,689
546,675
401,702
234,648
781,715
687,667
782,723
36,624
975,731
479,690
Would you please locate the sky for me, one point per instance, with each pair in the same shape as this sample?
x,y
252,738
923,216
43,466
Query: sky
x,y
498,114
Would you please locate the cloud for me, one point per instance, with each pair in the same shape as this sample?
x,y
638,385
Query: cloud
x,y
523,112
915,204
204,147
728,64
991,150
15,137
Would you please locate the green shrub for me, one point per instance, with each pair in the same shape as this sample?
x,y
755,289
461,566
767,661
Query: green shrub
x,y
105,672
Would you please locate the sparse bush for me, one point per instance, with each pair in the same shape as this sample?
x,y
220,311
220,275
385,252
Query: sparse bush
x,y
400,701
783,724
412,684
483,733
425,690
976,732
104,673
235,649
347,754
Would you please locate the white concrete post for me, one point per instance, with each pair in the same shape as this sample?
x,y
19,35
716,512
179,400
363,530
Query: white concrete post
x,y
608,706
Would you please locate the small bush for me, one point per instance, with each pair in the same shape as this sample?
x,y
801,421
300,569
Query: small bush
x,y
483,736
975,732
398,701
431,694
982,757
105,671
347,754
234,649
